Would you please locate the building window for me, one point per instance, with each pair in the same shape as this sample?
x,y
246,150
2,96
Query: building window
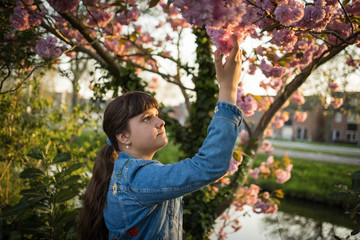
x,y
351,136
335,135
354,102
338,117
351,118
301,133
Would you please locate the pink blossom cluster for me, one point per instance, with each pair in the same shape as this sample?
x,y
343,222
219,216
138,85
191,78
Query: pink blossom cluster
x,y
47,47
298,97
234,166
352,63
244,137
98,17
272,71
174,17
222,20
333,86
284,37
265,103
128,16
300,116
246,196
306,50
318,15
353,7
283,175
268,132
289,12
25,15
246,103
267,167
280,119
343,29
337,102
64,5
267,147
265,207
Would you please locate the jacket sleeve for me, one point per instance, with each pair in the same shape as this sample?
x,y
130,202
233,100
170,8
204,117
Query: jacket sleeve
x,y
153,183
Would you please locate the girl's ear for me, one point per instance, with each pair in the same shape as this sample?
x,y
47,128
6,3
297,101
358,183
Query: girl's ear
x,y
123,138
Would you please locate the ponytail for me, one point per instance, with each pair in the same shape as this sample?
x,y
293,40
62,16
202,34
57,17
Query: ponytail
x,y
91,223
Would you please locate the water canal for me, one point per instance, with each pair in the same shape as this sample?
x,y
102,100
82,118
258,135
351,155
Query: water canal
x,y
295,220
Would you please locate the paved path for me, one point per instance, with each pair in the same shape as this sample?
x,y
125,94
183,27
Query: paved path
x,y
318,156
314,155
327,148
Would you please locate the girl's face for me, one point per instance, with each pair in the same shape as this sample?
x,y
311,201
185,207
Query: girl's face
x,y
147,134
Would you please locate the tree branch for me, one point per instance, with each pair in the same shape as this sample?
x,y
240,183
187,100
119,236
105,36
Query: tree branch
x,y
8,75
79,47
112,65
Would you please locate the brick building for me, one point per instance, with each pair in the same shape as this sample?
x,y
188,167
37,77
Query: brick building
x,y
334,125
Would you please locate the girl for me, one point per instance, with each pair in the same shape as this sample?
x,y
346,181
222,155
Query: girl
x,y
130,196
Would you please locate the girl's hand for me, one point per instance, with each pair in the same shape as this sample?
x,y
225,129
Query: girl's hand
x,y
228,74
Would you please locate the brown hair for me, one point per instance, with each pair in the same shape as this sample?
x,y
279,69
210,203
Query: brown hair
x,y
116,117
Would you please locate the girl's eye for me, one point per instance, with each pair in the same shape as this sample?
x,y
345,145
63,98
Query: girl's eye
x,y
146,119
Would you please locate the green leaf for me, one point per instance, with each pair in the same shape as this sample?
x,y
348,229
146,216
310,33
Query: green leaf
x,y
72,168
35,153
65,195
355,181
31,173
15,210
62,157
345,2
71,180
153,3
67,217
31,193
282,63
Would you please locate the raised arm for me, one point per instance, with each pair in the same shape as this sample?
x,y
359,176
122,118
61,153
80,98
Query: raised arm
x,y
228,74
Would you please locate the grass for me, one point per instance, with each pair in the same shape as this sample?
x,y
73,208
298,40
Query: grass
x,y
311,180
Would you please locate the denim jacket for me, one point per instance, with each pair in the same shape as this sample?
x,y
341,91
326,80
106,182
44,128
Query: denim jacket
x,y
144,200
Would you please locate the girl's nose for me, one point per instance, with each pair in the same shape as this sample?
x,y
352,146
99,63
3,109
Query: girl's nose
x,y
160,123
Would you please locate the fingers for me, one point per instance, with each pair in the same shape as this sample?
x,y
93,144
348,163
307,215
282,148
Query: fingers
x,y
218,61
235,52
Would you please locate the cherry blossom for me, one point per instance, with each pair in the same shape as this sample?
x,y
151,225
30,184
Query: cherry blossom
x,y
264,207
234,165
289,13
298,97
267,147
99,17
47,47
128,16
254,173
64,5
282,176
336,102
246,103
300,116
270,161
270,71
244,137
